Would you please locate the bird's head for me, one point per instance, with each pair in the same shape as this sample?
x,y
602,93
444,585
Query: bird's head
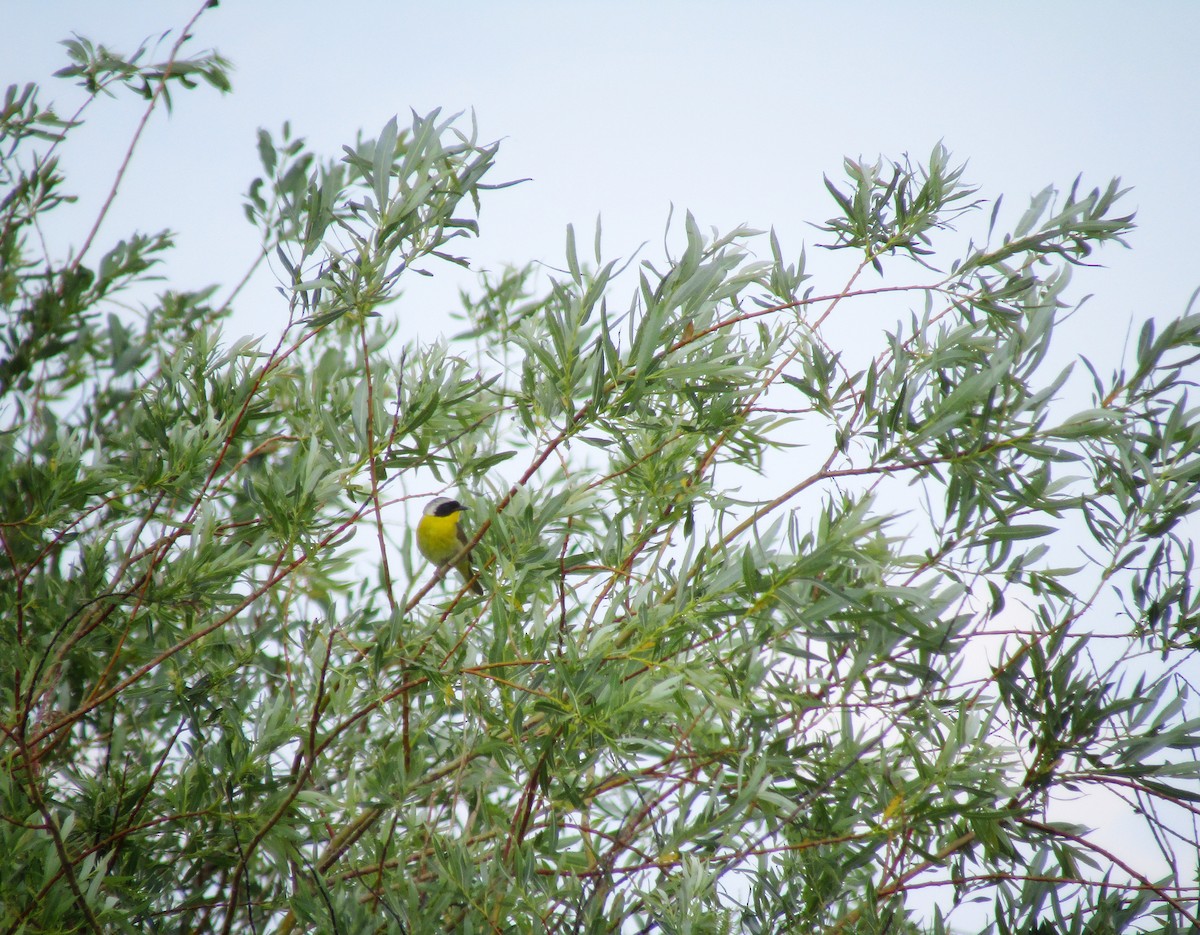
x,y
443,506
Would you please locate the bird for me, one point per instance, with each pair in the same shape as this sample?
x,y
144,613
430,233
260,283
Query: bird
x,y
440,538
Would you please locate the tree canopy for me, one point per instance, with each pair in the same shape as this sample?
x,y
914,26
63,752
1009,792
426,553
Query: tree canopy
x,y
776,635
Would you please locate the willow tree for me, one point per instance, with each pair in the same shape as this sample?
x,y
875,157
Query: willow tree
x,y
776,634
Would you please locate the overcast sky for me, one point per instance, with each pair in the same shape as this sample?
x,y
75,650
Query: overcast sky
x,y
731,110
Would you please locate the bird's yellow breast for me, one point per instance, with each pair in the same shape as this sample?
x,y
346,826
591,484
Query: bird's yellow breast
x,y
437,537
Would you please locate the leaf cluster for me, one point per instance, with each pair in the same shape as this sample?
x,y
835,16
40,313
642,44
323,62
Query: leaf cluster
x,y
772,639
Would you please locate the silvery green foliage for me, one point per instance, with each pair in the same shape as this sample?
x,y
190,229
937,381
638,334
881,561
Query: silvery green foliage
x,y
779,635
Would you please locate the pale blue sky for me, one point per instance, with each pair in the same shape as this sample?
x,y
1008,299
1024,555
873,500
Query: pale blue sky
x,y
619,109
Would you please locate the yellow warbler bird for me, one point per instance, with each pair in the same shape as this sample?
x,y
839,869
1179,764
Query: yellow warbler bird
x,y
440,538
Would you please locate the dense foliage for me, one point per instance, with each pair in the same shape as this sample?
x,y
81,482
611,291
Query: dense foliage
x,y
777,635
